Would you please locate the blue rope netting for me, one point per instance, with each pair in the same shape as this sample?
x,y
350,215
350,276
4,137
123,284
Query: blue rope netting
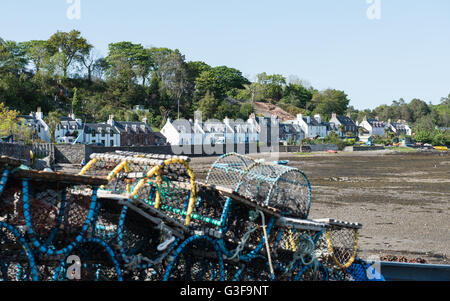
x,y
136,243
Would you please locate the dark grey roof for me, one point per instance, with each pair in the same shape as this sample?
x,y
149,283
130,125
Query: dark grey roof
x,y
288,128
313,122
104,127
344,120
183,126
398,126
375,123
330,126
133,125
67,121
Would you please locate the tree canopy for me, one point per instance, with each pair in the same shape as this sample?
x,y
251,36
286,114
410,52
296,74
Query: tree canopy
x,y
65,73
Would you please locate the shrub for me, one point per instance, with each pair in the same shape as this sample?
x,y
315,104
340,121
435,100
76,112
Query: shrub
x,y
424,136
439,139
350,142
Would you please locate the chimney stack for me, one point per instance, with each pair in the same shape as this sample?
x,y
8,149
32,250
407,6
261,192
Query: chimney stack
x,y
111,120
39,114
198,116
318,118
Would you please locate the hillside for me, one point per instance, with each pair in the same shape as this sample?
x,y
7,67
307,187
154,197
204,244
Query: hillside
x,y
268,109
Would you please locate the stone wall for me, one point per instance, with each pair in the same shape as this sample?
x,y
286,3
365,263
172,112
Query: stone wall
x,y
69,153
367,148
187,150
323,147
15,150
74,154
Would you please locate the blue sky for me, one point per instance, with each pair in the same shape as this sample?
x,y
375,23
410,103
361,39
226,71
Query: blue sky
x,y
331,44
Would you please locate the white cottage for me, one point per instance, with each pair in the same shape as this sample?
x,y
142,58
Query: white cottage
x,y
312,127
36,122
69,129
183,132
373,126
400,127
179,132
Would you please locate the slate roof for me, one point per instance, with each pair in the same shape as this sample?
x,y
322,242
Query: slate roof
x,y
313,122
133,125
375,123
104,128
69,123
344,120
399,126
183,126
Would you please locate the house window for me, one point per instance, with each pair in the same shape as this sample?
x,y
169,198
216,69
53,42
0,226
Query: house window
x,y
111,143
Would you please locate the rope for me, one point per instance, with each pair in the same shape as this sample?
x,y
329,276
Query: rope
x,y
267,243
240,247
305,248
134,262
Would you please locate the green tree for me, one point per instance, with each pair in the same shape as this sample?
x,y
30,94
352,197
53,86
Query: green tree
x,y
299,93
272,86
418,109
69,47
52,120
12,57
39,53
206,82
76,103
245,110
208,105
330,101
171,69
424,136
439,139
129,61
12,125
229,78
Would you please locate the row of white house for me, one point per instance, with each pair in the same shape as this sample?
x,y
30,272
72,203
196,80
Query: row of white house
x,y
258,129
187,132
111,133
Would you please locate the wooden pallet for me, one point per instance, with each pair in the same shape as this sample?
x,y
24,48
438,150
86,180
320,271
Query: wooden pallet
x,y
58,177
13,162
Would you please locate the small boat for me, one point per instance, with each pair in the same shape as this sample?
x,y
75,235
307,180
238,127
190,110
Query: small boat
x,y
332,151
441,148
281,162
